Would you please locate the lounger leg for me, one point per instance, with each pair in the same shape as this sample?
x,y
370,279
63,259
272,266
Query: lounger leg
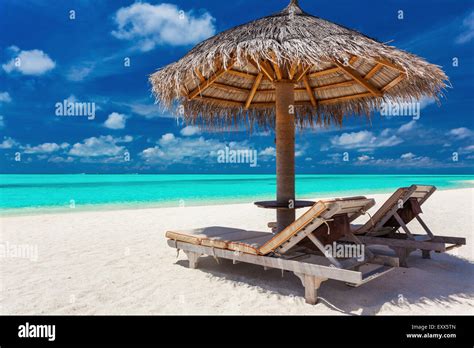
x,y
193,258
426,254
402,254
311,285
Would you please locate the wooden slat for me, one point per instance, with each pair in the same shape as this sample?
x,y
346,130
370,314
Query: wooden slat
x,y
309,90
335,85
231,88
394,82
256,83
206,84
390,65
324,72
345,98
221,101
373,71
245,75
356,76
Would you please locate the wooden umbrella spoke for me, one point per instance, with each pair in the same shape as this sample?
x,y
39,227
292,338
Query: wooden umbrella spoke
x,y
293,70
390,65
373,71
394,82
309,90
251,95
276,67
200,75
363,82
302,73
242,74
207,83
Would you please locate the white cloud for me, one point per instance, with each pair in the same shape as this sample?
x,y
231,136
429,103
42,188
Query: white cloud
x,y
364,140
466,149
59,159
170,149
45,148
163,24
190,131
33,62
461,133
269,151
426,101
105,145
468,30
364,158
8,143
407,127
79,73
115,121
5,97
408,156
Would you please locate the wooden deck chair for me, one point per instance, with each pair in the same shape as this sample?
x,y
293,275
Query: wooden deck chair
x,y
388,226
284,250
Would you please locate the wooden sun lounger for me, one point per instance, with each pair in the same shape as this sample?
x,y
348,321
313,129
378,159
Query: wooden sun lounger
x,y
401,208
323,223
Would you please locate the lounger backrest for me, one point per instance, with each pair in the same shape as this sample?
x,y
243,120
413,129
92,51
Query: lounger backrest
x,y
299,224
360,204
312,219
391,205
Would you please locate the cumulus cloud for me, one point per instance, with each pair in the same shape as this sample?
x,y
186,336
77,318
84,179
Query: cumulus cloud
x,y
8,143
5,97
364,140
34,62
407,127
408,156
105,145
468,30
115,121
406,160
190,131
45,148
364,158
170,149
268,151
162,24
461,133
79,73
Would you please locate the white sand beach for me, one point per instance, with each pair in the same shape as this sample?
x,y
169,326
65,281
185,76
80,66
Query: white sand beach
x,y
118,262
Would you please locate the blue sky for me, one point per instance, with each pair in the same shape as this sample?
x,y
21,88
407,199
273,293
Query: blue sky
x,y
83,56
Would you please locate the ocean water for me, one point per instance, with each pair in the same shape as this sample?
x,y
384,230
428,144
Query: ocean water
x,y
39,193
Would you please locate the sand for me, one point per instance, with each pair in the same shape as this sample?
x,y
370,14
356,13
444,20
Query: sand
x,y
118,262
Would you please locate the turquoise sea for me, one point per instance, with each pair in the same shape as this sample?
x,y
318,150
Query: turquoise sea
x,y
39,193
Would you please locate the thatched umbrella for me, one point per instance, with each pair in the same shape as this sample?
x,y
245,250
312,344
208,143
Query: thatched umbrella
x,y
290,69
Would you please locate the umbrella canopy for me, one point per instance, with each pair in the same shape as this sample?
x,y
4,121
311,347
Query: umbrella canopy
x,y
290,69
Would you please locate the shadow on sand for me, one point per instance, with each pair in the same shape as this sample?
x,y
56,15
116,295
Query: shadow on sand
x,y
444,279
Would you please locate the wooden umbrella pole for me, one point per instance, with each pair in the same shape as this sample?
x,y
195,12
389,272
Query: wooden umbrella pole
x,y
285,151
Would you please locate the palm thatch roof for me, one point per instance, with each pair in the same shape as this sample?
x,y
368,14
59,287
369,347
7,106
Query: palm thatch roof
x,y
337,72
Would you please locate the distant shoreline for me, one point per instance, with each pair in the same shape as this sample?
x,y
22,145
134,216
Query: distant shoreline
x,y
4,213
